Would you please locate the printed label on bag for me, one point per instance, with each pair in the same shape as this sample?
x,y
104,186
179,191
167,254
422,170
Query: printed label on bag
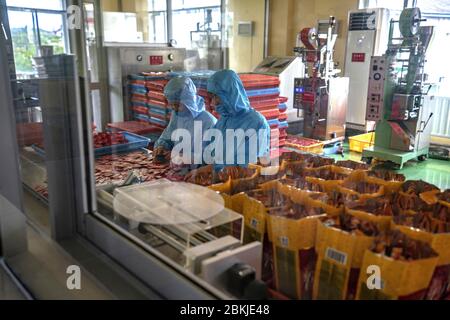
x,y
284,241
336,255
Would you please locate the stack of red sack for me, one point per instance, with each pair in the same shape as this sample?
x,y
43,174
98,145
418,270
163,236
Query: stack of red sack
x,y
264,95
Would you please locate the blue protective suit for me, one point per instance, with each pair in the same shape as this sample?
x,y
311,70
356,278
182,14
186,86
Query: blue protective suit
x,y
183,90
236,113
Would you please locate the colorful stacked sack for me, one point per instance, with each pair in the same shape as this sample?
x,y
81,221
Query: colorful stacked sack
x,y
147,98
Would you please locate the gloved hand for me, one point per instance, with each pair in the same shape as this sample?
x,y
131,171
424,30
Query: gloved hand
x,y
161,155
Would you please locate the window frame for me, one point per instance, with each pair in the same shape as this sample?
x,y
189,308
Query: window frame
x,y
37,33
169,15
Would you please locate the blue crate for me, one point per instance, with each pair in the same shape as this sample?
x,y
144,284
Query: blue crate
x,y
145,78
139,104
283,124
263,92
141,117
135,142
156,107
195,74
162,112
137,89
273,122
158,121
282,107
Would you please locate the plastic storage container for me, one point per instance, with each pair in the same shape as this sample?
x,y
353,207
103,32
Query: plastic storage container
x,y
271,92
135,127
315,146
135,142
360,142
258,81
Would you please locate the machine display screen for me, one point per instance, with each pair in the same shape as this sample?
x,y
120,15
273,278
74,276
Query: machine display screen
x,y
156,60
358,57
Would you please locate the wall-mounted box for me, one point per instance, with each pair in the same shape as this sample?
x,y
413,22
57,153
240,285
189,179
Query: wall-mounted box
x,y
245,28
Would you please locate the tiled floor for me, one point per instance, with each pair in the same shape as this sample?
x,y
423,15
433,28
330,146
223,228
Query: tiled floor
x,y
433,171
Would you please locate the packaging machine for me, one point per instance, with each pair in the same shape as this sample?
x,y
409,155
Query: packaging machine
x,y
321,94
396,91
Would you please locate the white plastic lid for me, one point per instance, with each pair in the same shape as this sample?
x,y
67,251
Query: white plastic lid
x,y
163,202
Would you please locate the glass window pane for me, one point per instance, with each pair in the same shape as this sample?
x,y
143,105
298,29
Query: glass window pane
x,y
51,30
41,4
433,6
438,72
157,27
24,41
121,27
189,27
187,4
157,5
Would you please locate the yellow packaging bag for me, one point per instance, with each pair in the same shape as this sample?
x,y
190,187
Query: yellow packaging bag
x,y
326,172
224,187
440,242
413,195
255,216
311,186
398,280
340,256
224,190
294,255
330,172
383,222
293,248
354,165
359,179
256,229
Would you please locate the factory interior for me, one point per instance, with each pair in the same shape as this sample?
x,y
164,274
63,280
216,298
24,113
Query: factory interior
x,y
112,186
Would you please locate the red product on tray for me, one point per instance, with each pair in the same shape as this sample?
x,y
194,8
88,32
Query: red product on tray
x,y
115,168
106,139
136,127
301,141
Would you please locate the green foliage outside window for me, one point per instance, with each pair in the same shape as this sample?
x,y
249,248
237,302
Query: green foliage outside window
x,y
25,50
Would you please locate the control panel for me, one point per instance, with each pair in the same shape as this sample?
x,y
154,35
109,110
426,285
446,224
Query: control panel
x,y
375,96
299,89
304,93
156,60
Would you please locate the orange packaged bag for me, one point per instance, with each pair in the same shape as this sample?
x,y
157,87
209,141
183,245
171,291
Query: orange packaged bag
x,y
340,246
403,267
293,233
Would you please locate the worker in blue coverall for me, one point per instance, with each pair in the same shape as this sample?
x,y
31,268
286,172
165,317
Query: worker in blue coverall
x,y
189,114
230,101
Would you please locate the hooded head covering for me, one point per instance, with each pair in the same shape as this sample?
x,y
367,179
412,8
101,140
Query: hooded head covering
x,y
228,86
183,90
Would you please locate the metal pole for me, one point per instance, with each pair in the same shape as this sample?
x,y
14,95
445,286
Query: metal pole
x,y
13,238
84,167
169,22
225,61
266,28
